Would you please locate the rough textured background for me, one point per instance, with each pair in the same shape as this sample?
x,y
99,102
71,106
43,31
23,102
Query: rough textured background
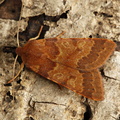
x,y
36,98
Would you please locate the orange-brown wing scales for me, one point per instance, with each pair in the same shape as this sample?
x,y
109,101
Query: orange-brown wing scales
x,y
83,53
100,52
72,62
70,50
88,84
93,85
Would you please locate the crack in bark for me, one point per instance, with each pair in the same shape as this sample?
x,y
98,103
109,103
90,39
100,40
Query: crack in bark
x,y
32,103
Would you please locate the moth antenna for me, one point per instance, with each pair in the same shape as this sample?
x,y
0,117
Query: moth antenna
x,y
18,27
14,76
21,68
59,35
14,65
35,38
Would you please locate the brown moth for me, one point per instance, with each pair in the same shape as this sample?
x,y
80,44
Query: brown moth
x,y
70,62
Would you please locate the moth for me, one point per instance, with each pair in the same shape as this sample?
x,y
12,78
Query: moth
x,y
70,62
